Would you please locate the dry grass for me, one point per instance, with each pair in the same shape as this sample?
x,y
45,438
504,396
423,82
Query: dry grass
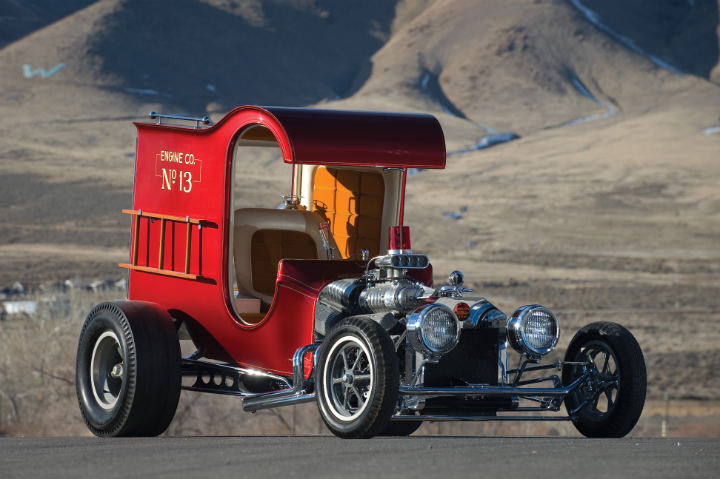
x,y
37,366
37,392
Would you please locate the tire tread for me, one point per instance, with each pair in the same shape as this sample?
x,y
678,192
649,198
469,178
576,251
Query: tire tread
x,y
633,379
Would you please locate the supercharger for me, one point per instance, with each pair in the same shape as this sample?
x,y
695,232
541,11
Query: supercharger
x,y
381,294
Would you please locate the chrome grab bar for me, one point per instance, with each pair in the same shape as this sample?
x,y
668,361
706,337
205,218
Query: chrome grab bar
x,y
155,115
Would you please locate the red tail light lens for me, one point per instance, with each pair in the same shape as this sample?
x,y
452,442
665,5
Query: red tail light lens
x,y
399,238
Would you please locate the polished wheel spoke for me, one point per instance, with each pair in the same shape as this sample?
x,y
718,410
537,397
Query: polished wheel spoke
x,y
345,359
357,359
602,397
608,395
358,396
362,377
605,365
349,379
346,398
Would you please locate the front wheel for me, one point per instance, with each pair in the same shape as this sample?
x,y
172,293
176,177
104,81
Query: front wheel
x,y
611,405
358,379
128,370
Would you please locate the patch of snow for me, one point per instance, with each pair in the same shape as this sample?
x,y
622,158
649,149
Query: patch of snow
x,y
447,110
141,91
585,119
456,215
424,81
595,19
582,89
453,215
20,307
610,110
29,72
488,129
711,130
487,142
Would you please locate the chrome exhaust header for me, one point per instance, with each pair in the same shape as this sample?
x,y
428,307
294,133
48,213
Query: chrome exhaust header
x,y
297,394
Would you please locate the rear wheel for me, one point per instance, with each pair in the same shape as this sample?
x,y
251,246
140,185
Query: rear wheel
x,y
613,402
128,370
358,379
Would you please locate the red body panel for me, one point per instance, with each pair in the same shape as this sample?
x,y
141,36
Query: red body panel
x,y
186,173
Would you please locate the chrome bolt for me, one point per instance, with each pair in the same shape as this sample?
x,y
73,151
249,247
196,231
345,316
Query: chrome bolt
x,y
117,371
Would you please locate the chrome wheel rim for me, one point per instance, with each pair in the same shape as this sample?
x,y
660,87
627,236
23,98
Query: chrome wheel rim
x,y
107,370
348,378
605,391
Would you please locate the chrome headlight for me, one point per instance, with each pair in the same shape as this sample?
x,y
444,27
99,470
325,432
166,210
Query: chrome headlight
x,y
433,330
533,330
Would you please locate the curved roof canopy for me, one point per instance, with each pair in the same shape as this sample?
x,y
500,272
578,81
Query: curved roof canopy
x,y
338,137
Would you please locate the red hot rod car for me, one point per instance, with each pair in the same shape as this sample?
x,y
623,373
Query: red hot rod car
x,y
322,299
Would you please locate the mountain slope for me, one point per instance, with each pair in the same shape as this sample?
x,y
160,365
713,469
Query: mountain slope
x,y
514,64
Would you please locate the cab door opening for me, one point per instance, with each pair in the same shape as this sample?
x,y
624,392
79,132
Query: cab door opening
x,y
266,225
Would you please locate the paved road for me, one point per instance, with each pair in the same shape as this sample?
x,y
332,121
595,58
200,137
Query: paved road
x,y
416,457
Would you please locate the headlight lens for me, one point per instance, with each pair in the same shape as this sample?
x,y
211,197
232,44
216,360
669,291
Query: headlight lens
x,y
533,330
433,330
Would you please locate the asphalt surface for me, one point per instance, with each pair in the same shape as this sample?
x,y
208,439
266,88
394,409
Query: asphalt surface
x,y
317,457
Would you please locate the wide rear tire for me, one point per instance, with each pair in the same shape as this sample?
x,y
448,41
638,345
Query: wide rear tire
x,y
357,379
615,405
128,369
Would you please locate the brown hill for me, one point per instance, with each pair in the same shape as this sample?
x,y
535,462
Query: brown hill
x,y
522,65
506,65
20,18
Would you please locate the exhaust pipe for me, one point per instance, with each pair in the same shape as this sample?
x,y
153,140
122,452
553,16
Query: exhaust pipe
x,y
285,397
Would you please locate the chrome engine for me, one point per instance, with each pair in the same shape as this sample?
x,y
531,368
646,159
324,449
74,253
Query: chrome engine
x,y
385,291
358,296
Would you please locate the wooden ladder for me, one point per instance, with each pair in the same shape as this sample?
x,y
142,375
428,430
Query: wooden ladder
x,y
138,214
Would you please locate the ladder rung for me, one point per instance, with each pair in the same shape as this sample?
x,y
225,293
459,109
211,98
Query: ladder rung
x,y
165,272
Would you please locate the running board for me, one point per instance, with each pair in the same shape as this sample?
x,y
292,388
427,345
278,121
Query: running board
x,y
219,378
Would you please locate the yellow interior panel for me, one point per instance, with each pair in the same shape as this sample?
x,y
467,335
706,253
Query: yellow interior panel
x,y
352,202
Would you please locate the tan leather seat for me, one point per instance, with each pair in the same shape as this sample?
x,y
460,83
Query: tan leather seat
x,y
262,237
